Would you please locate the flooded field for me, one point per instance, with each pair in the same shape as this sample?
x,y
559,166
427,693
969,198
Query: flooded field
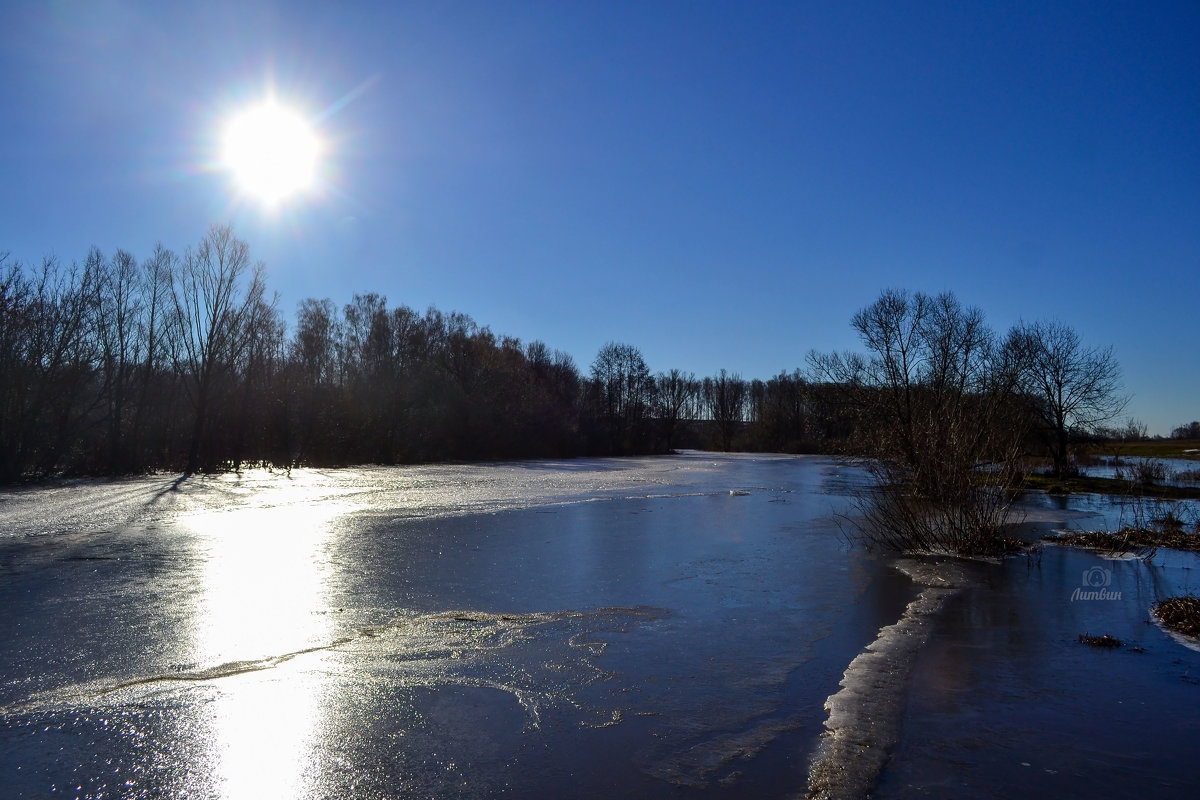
x,y
1162,471
658,627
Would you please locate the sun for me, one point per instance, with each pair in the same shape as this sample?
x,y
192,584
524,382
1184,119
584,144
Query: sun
x,y
272,152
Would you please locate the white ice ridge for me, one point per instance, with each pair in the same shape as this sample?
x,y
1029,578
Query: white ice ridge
x,y
438,649
865,714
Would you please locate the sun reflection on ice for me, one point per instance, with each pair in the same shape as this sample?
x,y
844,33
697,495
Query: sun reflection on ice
x,y
266,727
261,618
264,582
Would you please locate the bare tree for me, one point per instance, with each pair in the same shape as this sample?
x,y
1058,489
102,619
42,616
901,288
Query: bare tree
x,y
256,368
1073,388
624,389
156,280
314,346
62,352
119,310
934,399
780,412
725,397
1134,430
16,307
674,394
367,339
216,293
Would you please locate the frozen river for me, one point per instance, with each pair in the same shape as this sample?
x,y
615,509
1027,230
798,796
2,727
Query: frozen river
x,y
658,627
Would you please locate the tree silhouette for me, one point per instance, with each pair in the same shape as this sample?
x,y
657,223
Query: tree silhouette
x,y
217,296
725,397
623,390
1074,389
935,399
675,394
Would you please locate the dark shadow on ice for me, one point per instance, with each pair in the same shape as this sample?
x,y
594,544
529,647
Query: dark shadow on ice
x,y
171,488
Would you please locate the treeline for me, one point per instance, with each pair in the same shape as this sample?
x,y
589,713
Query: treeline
x,y
184,362
1189,431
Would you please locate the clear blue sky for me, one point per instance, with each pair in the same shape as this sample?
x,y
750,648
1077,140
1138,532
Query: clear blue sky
x,y
720,184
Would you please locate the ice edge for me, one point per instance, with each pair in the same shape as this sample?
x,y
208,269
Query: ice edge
x,y
865,714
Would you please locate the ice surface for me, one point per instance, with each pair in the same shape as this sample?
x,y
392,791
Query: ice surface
x,y
591,628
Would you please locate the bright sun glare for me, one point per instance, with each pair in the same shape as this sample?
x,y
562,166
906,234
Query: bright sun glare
x,y
272,152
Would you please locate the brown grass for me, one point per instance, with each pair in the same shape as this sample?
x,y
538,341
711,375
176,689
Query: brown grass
x,y
1132,540
1099,641
1180,614
1053,485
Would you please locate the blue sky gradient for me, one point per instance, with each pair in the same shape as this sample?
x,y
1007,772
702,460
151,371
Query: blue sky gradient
x,y
720,184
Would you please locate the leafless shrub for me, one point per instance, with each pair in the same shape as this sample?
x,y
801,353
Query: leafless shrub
x,y
937,417
1150,472
971,521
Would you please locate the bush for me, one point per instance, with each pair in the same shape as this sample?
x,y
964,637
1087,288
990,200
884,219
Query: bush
x,y
1149,472
1180,614
939,420
970,522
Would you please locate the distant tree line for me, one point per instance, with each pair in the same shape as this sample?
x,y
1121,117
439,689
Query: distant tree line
x,y
183,362
1188,431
